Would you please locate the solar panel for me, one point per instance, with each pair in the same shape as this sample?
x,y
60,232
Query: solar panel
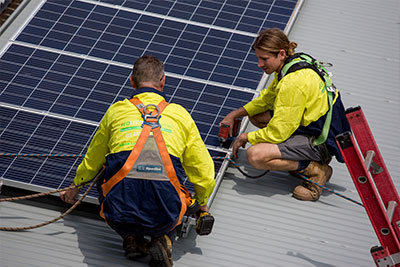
x,y
71,60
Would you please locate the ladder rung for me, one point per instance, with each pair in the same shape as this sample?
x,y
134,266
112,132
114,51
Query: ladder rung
x,y
368,158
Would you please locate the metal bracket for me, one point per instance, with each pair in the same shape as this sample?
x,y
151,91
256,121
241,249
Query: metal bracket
x,y
186,225
390,260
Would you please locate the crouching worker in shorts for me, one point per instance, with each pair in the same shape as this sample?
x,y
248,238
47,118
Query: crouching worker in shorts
x,y
299,115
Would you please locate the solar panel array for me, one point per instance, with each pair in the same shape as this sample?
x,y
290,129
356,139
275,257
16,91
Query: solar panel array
x,y
72,59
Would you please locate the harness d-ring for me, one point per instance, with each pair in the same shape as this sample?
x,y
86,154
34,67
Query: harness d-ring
x,y
150,113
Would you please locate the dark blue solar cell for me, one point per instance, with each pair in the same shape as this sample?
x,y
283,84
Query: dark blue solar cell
x,y
94,25
15,58
273,24
5,76
206,57
27,81
70,101
186,103
79,49
58,77
75,12
37,104
281,10
207,108
203,19
163,39
193,86
89,115
67,21
185,53
202,65
227,70
53,44
211,5
180,14
8,67
102,96
55,7
107,87
277,18
76,91
119,71
51,16
125,19
43,95
136,5
78,4
52,86
158,9
137,42
18,90
106,46
215,41
63,109
106,11
11,98
93,65
29,39
222,78
161,48
100,18
102,53
35,31
21,50
211,49
63,68
82,41
118,31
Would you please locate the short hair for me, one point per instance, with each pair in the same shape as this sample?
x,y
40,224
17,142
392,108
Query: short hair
x,y
272,41
147,69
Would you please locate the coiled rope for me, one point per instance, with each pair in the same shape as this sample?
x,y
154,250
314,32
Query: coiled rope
x,y
101,173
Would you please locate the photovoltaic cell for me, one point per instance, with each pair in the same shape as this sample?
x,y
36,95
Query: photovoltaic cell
x,y
248,16
72,59
84,89
123,36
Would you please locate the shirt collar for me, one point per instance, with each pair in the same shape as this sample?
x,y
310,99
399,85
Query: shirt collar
x,y
148,90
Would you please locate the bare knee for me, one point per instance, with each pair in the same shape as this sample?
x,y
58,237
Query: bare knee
x,y
255,157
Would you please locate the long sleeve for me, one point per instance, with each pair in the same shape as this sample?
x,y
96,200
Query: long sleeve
x,y
95,155
198,165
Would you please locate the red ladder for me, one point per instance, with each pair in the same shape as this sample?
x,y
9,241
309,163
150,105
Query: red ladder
x,y
379,195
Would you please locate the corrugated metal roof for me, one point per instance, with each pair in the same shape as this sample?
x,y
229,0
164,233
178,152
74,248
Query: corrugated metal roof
x,y
258,223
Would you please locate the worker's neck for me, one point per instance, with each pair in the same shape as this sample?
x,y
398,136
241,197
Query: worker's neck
x,y
151,85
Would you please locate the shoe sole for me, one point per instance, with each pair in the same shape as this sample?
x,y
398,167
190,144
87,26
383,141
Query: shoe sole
x,y
158,253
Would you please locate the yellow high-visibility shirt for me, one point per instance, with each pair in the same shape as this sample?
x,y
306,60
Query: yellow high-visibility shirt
x,y
121,126
298,99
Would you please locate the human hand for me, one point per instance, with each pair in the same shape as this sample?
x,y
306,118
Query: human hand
x,y
204,208
241,141
69,196
228,121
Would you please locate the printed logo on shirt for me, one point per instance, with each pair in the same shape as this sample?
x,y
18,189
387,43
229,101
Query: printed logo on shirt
x,y
149,168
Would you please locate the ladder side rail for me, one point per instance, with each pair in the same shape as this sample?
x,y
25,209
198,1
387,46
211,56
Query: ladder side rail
x,y
366,142
382,179
368,194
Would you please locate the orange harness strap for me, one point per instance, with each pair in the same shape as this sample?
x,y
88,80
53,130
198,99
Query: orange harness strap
x,y
181,190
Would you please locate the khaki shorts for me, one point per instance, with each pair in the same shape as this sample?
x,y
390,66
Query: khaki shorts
x,y
299,147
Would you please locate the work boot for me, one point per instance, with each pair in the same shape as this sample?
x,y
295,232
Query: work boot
x,y
316,172
161,252
135,247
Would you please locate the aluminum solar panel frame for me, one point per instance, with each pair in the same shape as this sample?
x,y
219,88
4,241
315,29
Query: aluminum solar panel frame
x,y
71,60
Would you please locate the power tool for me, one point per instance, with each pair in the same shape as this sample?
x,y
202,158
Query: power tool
x,y
223,134
205,220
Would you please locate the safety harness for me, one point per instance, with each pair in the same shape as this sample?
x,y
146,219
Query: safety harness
x,y
149,158
301,61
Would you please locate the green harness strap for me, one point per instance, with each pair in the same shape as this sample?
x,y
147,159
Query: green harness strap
x,y
328,86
